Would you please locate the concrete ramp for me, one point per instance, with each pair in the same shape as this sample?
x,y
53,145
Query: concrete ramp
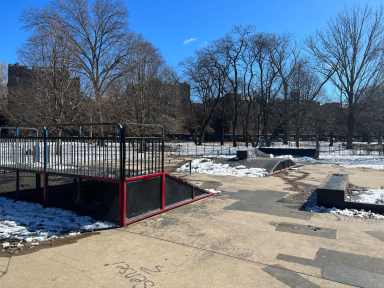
x,y
271,165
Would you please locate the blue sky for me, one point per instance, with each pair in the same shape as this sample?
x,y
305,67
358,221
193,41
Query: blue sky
x,y
169,24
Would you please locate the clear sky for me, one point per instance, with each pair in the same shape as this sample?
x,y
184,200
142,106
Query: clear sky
x,y
179,27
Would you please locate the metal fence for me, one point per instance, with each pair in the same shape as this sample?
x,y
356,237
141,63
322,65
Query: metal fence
x,y
113,156
358,149
186,150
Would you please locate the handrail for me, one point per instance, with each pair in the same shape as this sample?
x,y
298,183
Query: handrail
x,y
127,149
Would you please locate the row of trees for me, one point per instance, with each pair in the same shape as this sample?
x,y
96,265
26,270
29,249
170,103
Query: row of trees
x,y
88,67
267,81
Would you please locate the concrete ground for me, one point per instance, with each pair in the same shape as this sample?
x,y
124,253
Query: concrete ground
x,y
251,235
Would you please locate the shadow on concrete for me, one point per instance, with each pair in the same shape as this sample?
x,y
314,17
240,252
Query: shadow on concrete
x,y
347,268
266,202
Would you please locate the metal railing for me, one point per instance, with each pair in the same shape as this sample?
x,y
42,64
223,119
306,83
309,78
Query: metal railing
x,y
114,156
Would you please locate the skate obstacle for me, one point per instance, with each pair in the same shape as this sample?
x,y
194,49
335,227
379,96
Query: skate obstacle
x,y
116,170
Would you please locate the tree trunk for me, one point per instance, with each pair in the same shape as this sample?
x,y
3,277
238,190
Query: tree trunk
x,y
297,138
351,126
222,134
257,140
246,134
234,122
297,129
201,136
286,118
265,130
99,111
317,146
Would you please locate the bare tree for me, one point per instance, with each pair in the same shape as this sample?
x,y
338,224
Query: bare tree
x,y
97,35
248,78
371,113
284,57
208,77
268,82
229,51
304,87
3,92
352,46
3,81
50,83
143,71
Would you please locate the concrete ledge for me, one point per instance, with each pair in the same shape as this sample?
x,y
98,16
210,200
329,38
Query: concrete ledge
x,y
331,194
298,152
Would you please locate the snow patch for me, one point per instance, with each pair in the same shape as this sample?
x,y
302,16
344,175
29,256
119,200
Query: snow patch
x,y
348,159
345,212
213,191
207,166
5,245
31,222
283,157
370,196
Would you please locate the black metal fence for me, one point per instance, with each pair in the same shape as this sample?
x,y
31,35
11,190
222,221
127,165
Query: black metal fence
x,y
67,152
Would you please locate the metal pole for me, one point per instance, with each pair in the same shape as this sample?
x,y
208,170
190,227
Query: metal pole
x,y
163,190
122,183
17,184
46,156
38,182
162,154
45,188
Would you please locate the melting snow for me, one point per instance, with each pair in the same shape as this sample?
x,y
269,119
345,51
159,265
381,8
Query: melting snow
x,y
207,166
346,212
29,222
213,191
348,159
370,196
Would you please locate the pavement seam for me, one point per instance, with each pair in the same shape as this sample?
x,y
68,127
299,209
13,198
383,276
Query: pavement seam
x,y
233,257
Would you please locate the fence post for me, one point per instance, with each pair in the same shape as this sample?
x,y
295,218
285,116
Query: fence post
x,y
162,154
45,149
122,183
46,157
17,184
317,147
38,182
163,190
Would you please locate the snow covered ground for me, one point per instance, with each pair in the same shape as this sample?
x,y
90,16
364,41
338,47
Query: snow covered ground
x,y
346,212
311,206
332,155
207,166
370,196
351,159
31,222
347,160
